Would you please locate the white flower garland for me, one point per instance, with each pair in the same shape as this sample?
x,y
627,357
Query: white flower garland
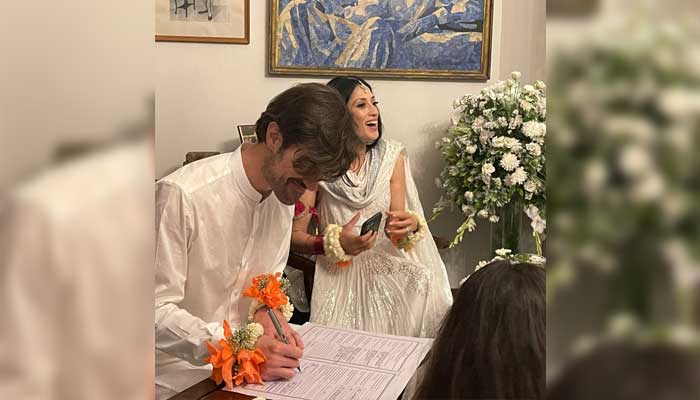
x,y
507,254
331,245
286,309
409,241
249,334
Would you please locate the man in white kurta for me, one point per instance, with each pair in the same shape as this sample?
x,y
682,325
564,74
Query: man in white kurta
x,y
225,219
223,235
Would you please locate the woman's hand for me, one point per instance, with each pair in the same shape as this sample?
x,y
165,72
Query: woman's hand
x,y
354,244
399,224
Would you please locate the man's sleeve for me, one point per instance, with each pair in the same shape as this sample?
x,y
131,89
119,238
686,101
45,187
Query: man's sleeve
x,y
178,332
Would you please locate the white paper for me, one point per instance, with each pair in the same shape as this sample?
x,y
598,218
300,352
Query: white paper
x,y
341,364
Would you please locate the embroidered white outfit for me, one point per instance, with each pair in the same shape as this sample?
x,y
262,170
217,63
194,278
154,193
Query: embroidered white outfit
x,y
385,290
213,235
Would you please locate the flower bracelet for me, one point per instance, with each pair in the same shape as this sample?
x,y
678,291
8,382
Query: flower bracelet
x,y
407,243
237,358
332,249
271,291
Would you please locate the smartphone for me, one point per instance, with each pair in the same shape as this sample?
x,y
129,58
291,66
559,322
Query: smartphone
x,y
372,224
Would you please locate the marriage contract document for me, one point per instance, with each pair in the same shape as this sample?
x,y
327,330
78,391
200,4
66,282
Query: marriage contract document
x,y
342,364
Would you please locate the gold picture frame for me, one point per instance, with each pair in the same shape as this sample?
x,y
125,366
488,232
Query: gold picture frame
x,y
203,21
246,133
432,46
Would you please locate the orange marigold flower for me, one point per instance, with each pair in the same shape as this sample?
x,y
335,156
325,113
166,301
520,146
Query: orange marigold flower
x,y
249,366
271,295
227,330
227,354
252,292
214,353
217,376
221,360
402,243
227,372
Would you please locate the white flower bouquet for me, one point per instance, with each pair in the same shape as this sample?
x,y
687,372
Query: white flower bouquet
x,y
495,155
624,169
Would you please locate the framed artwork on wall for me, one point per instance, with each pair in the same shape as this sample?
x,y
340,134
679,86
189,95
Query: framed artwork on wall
x,y
247,134
381,38
204,21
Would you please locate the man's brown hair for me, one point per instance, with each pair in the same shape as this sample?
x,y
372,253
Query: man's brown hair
x,y
314,117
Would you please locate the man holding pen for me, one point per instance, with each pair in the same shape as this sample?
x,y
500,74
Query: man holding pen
x,y
223,220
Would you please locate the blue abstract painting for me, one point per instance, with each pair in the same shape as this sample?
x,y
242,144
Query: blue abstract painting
x,y
392,38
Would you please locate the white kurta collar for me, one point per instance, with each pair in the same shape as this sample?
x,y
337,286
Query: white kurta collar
x,y
242,181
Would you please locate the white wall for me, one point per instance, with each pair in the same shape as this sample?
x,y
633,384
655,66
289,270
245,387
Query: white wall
x,y
204,90
73,73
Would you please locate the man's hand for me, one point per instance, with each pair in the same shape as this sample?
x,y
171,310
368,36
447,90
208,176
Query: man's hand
x,y
353,244
263,319
280,359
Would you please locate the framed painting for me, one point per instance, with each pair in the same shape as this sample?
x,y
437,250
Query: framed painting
x,y
247,134
450,39
207,21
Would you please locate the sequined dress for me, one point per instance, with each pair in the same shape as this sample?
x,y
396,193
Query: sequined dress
x,y
385,290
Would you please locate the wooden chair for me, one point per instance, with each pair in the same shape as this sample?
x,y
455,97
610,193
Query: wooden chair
x,y
193,156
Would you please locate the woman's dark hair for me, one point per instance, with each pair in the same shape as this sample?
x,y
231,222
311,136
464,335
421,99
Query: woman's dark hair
x,y
492,342
314,117
345,85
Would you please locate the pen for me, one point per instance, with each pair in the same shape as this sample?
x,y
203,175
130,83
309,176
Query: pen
x,y
278,328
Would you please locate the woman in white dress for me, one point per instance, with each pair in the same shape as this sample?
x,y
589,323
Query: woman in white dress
x,y
384,289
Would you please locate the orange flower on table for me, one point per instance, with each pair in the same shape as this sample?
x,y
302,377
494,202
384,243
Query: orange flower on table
x,y
267,290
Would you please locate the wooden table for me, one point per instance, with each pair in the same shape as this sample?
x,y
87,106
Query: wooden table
x,y
209,390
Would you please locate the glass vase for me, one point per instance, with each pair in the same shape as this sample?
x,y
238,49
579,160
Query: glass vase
x,y
505,234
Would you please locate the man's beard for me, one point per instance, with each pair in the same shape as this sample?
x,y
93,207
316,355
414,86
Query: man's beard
x,y
278,184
